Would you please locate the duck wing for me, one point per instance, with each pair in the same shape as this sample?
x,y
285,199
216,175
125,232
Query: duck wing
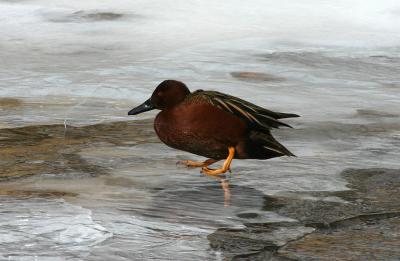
x,y
252,114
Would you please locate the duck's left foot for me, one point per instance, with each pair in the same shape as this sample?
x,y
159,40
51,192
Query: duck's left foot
x,y
194,164
208,171
225,167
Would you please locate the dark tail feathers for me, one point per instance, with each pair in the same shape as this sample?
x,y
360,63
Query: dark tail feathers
x,y
269,143
281,115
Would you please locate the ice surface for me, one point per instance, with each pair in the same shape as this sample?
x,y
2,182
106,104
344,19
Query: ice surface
x,y
75,48
84,62
44,228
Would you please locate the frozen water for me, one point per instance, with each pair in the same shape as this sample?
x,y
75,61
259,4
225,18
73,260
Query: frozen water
x,y
84,62
122,49
44,228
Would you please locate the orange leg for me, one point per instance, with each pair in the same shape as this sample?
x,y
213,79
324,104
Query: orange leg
x,y
224,168
194,164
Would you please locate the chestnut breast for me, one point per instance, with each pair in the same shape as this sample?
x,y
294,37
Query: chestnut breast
x,y
200,128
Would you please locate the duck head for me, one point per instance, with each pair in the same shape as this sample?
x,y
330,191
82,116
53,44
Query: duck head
x,y
167,94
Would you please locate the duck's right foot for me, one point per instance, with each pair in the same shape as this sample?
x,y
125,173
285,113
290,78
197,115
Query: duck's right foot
x,y
194,164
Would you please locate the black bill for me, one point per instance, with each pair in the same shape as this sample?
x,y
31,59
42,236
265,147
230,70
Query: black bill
x,y
146,106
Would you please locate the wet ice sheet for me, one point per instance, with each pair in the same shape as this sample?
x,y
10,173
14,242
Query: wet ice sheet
x,y
154,208
150,214
90,62
24,111
122,49
325,84
41,229
147,202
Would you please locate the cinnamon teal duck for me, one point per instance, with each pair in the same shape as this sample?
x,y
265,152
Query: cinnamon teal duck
x,y
213,125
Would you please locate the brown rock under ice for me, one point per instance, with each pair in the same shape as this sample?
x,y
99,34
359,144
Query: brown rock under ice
x,y
364,224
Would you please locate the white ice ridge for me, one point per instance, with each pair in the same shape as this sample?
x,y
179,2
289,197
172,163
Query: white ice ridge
x,y
146,24
46,227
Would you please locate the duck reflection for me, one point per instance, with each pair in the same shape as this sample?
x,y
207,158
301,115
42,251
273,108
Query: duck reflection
x,y
206,202
225,187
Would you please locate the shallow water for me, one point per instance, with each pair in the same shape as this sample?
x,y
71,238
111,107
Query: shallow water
x,y
72,190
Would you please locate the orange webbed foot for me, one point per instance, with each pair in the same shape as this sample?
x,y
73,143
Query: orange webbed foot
x,y
194,164
225,167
